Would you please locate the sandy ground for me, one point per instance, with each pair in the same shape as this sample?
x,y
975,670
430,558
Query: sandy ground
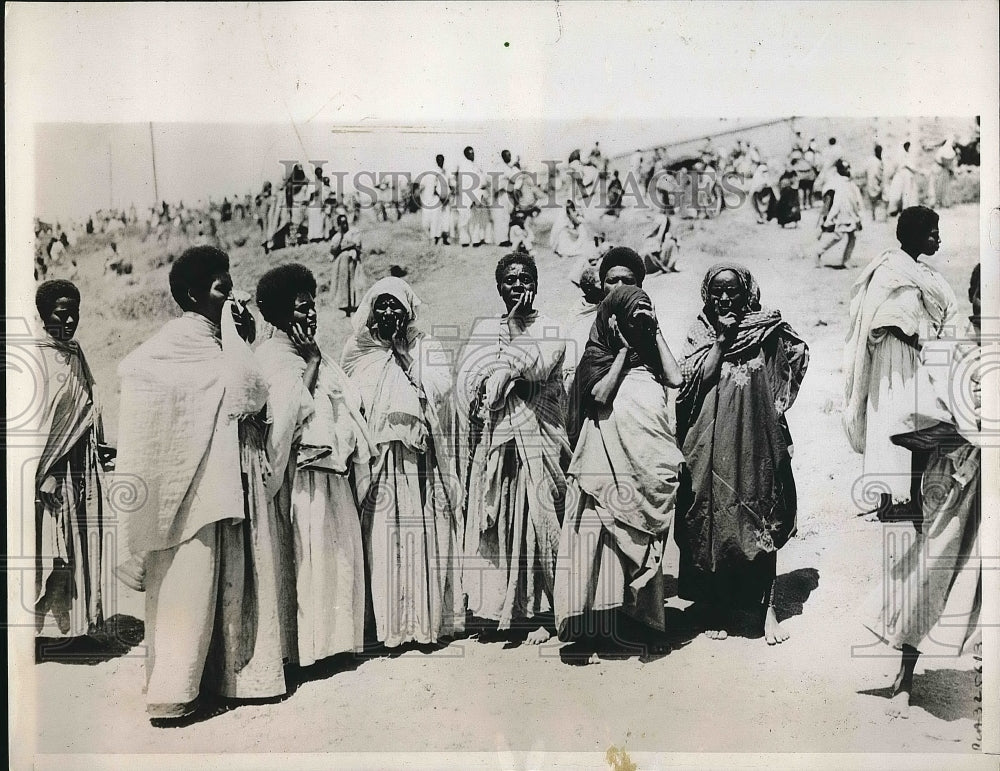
x,y
823,690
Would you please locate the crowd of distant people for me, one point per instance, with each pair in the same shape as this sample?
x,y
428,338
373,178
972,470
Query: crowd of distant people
x,y
470,202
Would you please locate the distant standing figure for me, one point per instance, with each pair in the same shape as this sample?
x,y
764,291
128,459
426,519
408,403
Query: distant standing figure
x,y
841,217
875,185
659,250
786,207
904,190
945,159
349,278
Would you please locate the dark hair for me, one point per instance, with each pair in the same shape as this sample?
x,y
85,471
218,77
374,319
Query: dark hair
x,y
439,158
194,270
590,283
915,223
516,258
624,257
277,289
974,287
50,292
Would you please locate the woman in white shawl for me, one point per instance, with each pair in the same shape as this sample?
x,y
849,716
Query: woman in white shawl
x,y
69,500
319,451
931,596
509,397
897,304
410,517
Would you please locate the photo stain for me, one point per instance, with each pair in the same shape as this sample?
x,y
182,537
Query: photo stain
x,y
619,759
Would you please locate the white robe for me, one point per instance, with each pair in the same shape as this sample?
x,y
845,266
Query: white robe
x,y
321,498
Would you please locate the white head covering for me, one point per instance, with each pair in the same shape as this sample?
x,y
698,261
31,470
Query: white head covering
x,y
395,287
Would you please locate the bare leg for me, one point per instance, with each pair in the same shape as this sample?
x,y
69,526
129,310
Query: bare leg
x,y
848,248
774,633
826,240
899,703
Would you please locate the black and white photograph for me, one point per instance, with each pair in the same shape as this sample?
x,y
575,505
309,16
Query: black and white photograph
x,y
503,385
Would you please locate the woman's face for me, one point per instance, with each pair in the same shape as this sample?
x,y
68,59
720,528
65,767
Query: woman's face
x,y
517,280
63,319
388,316
304,313
210,302
932,242
727,297
619,275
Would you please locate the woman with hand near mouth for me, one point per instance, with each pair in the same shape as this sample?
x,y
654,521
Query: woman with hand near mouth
x,y
509,397
742,369
319,449
626,470
410,519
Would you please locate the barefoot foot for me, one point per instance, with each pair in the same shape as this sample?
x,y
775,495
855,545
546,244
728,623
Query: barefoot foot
x,y
716,634
774,634
899,705
539,636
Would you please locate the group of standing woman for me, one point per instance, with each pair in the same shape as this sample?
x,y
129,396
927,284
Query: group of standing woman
x,y
378,499
570,484
294,507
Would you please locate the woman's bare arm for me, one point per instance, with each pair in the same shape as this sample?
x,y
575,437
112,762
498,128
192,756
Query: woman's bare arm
x,y
607,385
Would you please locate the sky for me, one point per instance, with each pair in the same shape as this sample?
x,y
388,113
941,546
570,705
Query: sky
x,y
234,88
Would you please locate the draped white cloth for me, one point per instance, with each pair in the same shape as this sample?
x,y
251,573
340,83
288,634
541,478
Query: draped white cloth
x,y
319,497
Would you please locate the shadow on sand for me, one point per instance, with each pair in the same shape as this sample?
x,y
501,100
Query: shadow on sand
x,y
119,636
947,694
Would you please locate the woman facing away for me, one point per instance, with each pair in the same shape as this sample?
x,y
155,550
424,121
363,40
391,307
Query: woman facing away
x,y
319,449
897,305
736,507
509,398
625,468
69,500
932,601
786,207
410,517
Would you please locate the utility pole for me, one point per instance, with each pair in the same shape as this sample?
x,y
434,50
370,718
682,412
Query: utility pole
x,y
152,151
